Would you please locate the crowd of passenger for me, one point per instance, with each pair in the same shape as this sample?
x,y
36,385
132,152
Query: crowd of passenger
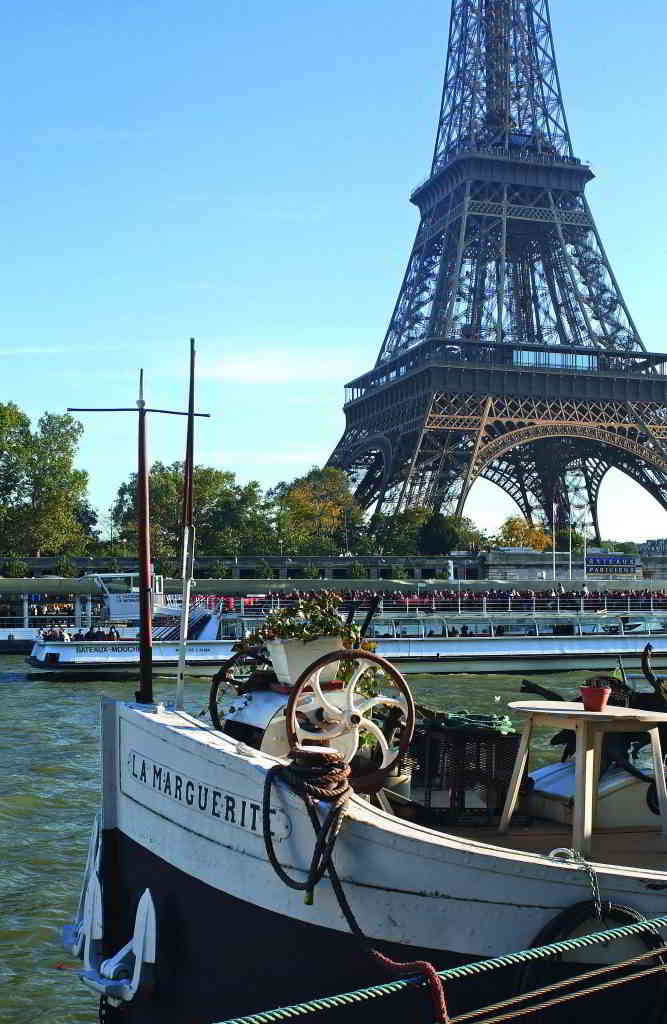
x,y
61,634
450,599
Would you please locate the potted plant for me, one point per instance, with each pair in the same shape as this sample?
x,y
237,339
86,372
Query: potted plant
x,y
296,637
595,693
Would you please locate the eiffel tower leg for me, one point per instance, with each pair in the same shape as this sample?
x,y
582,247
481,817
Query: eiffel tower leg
x,y
513,478
593,471
467,483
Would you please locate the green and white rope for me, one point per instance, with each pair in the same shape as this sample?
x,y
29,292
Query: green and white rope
x,y
452,974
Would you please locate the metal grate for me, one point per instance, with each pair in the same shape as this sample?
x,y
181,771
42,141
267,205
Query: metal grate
x,y
461,772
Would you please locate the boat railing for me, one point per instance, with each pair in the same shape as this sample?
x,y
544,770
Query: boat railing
x,y
464,602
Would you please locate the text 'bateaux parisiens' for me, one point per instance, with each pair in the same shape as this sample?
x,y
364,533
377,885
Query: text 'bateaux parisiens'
x,y
204,798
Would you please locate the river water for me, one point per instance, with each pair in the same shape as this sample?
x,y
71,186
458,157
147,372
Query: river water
x,y
49,792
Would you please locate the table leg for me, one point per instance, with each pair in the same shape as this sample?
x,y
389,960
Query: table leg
x,y
517,776
582,825
598,737
659,767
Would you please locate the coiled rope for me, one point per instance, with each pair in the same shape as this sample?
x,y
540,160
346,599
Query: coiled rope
x,y
322,774
465,971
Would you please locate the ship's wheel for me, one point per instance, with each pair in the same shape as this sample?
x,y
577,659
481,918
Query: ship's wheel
x,y
341,718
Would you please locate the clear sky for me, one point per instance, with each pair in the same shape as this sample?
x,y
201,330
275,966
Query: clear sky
x,y
240,172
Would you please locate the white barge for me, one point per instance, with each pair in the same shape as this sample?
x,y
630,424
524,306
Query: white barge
x,y
182,912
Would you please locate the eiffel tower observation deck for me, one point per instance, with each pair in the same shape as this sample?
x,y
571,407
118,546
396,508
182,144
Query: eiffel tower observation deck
x,y
510,354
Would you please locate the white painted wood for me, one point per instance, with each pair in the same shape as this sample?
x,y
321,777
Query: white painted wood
x,y
406,883
582,825
589,727
517,775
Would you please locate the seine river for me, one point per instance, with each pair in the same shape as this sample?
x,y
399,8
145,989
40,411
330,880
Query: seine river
x,y
49,792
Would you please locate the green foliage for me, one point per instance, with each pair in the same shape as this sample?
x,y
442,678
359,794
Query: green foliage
x,y
439,535
310,572
310,619
169,567
217,571
356,571
625,547
563,540
397,535
15,567
316,513
66,567
42,495
230,519
263,571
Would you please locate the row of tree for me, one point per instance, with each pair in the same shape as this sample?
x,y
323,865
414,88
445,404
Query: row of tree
x,y
44,509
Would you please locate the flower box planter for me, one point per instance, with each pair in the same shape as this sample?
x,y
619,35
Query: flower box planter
x,y
290,657
595,698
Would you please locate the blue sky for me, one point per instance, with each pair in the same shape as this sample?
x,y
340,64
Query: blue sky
x,y
241,173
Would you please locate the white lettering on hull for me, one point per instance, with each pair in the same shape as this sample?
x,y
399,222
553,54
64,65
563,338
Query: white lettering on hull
x,y
203,798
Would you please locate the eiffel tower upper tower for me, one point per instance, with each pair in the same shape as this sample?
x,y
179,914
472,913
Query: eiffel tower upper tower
x,y
511,353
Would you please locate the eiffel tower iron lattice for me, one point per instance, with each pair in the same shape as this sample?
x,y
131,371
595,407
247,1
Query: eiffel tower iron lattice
x,y
510,354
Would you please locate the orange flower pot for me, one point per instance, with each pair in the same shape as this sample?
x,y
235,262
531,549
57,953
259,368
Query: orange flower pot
x,y
595,697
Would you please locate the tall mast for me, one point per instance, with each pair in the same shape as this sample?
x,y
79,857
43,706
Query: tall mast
x,y
187,563
144,694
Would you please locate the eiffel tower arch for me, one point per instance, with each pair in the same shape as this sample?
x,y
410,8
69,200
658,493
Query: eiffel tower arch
x,y
510,354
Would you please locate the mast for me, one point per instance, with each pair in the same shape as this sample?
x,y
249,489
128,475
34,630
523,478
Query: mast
x,y
187,563
144,694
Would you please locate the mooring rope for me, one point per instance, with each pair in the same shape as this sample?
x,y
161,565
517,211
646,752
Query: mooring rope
x,y
465,971
322,774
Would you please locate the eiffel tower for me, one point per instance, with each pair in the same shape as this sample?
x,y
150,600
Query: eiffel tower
x,y
510,354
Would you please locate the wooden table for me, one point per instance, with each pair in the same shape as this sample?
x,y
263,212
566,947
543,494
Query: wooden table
x,y
589,727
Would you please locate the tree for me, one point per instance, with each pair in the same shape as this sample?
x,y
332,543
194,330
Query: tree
x,y
316,513
65,566
626,547
516,532
438,535
229,518
397,535
40,490
88,520
15,567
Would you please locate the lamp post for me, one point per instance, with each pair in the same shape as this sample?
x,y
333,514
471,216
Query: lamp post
x,y
553,538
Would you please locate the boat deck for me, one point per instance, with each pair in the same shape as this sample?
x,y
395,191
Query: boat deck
x,y
637,848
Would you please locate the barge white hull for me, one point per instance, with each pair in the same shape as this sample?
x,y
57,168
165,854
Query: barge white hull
x,y
182,816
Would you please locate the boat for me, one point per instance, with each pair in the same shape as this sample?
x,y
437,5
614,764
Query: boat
x,y
202,899
516,642
121,596
181,896
89,658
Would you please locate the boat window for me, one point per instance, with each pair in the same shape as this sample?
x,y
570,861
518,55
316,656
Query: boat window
x,y
409,627
231,629
515,628
635,627
464,629
594,627
434,627
381,628
557,628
